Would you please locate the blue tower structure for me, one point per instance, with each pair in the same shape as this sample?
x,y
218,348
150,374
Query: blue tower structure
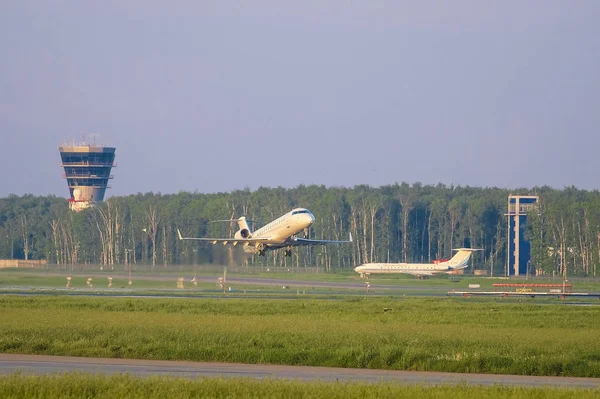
x,y
519,249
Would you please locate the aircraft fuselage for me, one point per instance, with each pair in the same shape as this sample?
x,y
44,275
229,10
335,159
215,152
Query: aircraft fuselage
x,y
282,229
459,261
280,233
411,268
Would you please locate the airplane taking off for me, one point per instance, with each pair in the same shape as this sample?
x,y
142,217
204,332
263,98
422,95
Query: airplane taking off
x,y
420,270
280,233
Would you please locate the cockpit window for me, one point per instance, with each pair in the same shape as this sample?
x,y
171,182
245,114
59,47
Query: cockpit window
x,y
299,212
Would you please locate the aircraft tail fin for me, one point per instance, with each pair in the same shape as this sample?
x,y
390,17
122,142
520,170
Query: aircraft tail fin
x,y
243,225
461,259
242,222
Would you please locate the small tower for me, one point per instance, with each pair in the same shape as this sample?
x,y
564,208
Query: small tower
x,y
87,170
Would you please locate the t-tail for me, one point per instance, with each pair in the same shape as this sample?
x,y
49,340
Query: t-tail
x,y
244,231
244,228
461,259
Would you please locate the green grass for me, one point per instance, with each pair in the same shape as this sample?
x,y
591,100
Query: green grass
x,y
126,386
435,334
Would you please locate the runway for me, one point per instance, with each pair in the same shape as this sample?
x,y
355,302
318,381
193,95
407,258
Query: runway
x,y
266,286
35,364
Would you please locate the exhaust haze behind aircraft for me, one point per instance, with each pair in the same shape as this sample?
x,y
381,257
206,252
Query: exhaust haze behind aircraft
x,y
422,270
280,233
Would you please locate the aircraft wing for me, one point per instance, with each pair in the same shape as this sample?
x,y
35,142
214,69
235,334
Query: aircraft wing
x,y
225,241
297,241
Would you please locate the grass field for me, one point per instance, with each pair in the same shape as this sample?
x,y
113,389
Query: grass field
x,y
99,386
435,334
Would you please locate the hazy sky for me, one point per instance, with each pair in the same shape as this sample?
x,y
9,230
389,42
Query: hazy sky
x,y
221,95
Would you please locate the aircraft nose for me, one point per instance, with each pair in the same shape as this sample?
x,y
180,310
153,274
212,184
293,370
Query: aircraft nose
x,y
311,219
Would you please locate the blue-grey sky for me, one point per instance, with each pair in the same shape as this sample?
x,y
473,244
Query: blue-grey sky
x,y
221,95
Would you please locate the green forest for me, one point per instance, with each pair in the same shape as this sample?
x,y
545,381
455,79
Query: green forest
x,y
393,223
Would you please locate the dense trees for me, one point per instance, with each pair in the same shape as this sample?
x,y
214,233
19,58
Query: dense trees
x,y
565,232
393,223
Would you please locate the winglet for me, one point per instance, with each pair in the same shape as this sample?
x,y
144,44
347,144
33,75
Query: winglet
x,y
179,234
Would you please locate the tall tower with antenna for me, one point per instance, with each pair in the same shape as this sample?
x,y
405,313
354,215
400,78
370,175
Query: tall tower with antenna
x,y
87,170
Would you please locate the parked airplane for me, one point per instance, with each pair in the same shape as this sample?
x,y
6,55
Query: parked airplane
x,y
280,233
421,270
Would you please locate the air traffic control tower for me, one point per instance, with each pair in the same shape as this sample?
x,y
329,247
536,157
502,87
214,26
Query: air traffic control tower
x,y
87,170
519,248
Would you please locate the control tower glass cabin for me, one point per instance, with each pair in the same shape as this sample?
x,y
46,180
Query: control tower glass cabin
x,y
87,170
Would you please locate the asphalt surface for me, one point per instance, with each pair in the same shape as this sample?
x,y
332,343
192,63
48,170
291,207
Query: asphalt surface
x,y
232,280
291,286
39,365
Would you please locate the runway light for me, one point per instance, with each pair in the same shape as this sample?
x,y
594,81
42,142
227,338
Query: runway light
x,y
69,282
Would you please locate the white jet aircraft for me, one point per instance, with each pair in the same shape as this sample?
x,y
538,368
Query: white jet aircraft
x,y
420,270
280,233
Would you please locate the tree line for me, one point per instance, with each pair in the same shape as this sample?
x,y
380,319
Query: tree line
x,y
393,223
